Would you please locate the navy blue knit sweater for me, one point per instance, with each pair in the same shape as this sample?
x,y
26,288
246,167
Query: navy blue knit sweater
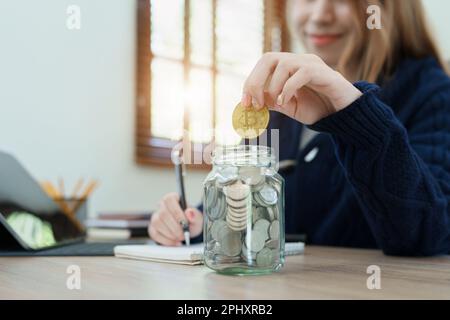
x,y
381,178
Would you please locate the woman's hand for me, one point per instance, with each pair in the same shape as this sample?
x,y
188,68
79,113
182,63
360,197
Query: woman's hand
x,y
165,225
301,86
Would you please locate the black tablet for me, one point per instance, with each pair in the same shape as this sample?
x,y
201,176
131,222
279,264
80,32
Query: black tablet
x,y
21,228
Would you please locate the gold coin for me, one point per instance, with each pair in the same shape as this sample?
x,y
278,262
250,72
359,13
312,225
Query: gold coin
x,y
250,123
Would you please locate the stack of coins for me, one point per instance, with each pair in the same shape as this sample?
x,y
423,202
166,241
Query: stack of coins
x,y
238,202
242,207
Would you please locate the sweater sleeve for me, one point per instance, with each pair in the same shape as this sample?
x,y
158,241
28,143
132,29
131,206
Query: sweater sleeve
x,y
401,179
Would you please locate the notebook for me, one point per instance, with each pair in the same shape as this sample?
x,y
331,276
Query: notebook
x,y
187,255
294,248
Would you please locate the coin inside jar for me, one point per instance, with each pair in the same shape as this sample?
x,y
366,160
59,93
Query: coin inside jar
x,y
274,230
244,212
261,213
273,244
216,227
265,257
217,210
252,176
236,204
211,195
257,241
263,226
268,196
227,176
237,191
230,241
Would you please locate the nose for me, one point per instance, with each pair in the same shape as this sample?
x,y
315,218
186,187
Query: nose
x,y
322,12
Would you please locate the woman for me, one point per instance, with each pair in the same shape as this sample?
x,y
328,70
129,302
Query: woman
x,y
378,173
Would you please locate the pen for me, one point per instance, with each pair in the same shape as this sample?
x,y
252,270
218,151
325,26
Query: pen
x,y
176,158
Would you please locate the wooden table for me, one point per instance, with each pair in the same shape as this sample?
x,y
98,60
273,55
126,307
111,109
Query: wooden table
x,y
322,273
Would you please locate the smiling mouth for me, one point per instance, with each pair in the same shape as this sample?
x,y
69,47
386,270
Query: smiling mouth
x,y
323,39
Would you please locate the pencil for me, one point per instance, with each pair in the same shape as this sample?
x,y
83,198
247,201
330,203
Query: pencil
x,y
77,188
53,192
87,192
90,187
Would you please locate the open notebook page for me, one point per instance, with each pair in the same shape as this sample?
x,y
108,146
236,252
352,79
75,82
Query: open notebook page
x,y
190,255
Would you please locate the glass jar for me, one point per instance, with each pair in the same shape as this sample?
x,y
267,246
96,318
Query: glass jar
x,y
243,206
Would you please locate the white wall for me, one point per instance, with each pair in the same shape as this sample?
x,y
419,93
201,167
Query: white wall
x,y
67,99
439,16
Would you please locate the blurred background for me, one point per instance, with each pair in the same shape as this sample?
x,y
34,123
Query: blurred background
x,y
109,100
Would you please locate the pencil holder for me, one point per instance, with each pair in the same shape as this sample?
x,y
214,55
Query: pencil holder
x,y
75,209
243,206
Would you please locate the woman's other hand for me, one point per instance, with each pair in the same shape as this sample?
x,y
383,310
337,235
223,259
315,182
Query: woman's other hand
x,y
165,228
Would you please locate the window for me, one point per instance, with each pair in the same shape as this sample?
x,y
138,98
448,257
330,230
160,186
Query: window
x,y
192,59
